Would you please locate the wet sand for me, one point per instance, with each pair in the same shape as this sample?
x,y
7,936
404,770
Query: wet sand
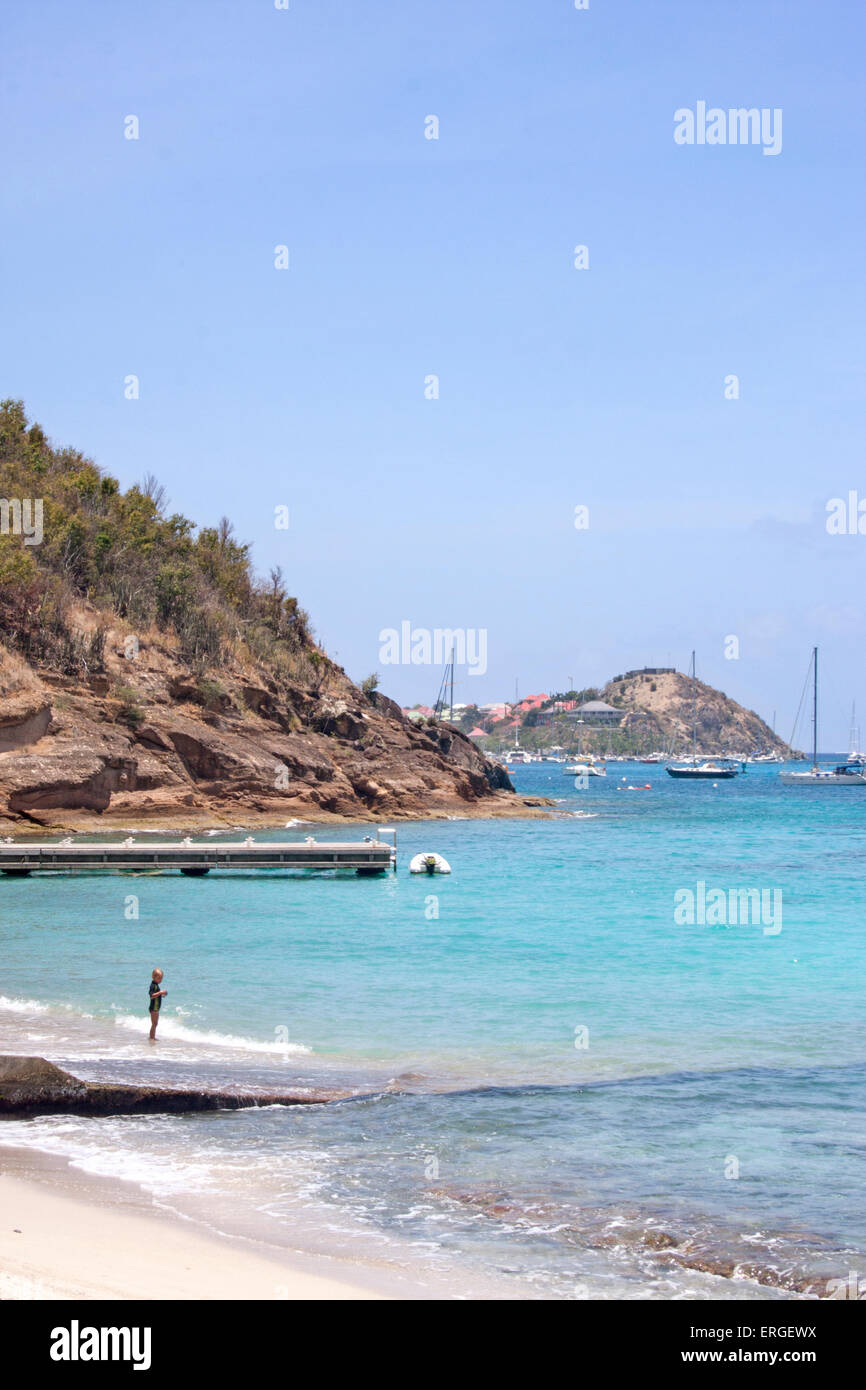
x,y
65,1235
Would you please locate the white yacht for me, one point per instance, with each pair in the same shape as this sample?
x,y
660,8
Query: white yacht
x,y
849,774
556,754
518,755
585,765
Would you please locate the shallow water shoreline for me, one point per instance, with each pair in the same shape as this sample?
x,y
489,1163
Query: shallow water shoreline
x,y
314,1242
117,1243
718,1159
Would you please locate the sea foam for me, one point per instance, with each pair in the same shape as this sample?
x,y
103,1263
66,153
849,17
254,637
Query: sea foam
x,y
172,1028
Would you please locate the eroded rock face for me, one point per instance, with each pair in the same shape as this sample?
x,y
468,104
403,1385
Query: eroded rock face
x,y
73,753
32,1086
22,723
387,706
71,778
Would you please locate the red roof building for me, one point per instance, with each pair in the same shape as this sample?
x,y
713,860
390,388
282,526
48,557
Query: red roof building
x,y
531,702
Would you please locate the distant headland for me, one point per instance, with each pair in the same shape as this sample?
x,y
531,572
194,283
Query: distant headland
x,y
639,713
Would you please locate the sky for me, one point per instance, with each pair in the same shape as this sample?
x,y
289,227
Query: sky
x,y
450,504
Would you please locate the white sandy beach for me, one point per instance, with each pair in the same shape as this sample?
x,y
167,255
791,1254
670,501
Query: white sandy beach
x,y
57,1244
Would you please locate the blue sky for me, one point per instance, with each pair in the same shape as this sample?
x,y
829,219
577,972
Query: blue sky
x,y
409,257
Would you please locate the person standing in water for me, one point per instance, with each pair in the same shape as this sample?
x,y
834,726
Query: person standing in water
x,y
156,997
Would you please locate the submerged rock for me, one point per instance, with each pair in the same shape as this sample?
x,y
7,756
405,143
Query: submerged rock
x,y
33,1086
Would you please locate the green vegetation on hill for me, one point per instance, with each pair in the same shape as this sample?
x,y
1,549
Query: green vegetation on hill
x,y
120,552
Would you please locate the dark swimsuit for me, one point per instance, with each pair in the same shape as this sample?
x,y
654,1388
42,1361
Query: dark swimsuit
x,y
154,1003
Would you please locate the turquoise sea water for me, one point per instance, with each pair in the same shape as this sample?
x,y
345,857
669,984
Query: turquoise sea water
x,y
567,1090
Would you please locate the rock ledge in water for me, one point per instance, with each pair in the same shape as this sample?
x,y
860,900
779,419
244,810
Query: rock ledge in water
x,y
32,1086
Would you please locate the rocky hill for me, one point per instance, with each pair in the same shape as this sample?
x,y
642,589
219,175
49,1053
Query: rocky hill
x,y
655,715
657,709
147,674
145,739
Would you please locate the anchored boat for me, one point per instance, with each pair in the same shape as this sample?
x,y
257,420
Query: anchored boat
x,y
429,864
708,769
584,765
849,774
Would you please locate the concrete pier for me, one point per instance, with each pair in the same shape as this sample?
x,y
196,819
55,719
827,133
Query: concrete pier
x,y
196,859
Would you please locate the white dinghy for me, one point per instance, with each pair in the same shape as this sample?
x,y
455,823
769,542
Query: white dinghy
x,y
429,864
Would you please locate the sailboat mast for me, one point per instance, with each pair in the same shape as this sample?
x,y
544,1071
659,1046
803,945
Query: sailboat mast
x,y
516,717
694,712
815,711
452,684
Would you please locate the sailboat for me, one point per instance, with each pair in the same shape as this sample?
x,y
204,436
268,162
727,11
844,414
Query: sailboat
x,y
854,754
585,769
518,754
442,698
584,766
849,774
708,770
